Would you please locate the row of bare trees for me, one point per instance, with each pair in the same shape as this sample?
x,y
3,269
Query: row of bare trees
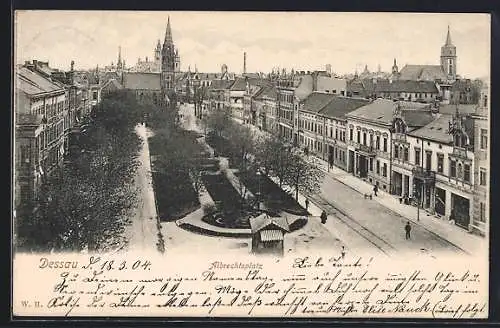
x,y
84,205
270,154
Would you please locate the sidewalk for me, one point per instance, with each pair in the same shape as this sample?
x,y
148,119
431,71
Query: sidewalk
x,y
470,243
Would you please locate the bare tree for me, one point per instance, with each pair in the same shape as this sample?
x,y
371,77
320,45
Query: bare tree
x,y
304,176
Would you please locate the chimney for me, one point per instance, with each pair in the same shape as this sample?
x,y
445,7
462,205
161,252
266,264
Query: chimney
x,y
314,81
244,63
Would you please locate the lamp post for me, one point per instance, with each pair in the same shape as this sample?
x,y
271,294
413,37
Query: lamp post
x,y
258,196
417,198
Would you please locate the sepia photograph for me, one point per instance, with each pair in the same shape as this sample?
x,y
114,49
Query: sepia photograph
x,y
306,145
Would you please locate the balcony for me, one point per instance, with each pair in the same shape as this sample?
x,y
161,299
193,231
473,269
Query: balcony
x,y
427,176
366,150
460,152
399,137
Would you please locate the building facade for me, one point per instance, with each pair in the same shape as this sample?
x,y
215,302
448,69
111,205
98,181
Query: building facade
x,y
42,122
481,212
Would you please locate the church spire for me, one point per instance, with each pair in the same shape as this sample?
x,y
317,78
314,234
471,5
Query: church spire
x,y
168,33
448,38
119,63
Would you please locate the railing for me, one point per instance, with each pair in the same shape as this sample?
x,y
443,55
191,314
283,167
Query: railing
x,y
399,137
427,176
460,152
366,149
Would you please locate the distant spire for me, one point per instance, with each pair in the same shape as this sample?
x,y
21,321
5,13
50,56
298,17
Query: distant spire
x,y
394,61
119,63
168,33
448,38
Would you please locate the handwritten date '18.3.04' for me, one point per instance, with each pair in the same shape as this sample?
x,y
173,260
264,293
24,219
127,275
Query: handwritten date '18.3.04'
x,y
309,286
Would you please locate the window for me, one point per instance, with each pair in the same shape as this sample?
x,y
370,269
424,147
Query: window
x,y
482,212
25,154
94,95
371,164
396,151
440,161
405,154
371,140
384,170
364,138
359,137
417,156
485,103
385,145
453,168
467,172
428,160
484,139
482,176
378,167
377,143
336,134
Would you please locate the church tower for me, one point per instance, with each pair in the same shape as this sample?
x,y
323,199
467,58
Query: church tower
x,y
168,61
449,58
157,56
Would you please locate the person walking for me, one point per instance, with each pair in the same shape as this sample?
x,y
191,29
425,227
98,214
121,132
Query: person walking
x,y
323,217
375,189
307,204
408,230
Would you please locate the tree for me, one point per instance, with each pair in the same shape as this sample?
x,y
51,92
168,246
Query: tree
x,y
219,121
242,142
304,176
85,204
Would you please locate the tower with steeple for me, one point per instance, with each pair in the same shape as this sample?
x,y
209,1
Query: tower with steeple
x,y
119,63
158,52
169,62
449,58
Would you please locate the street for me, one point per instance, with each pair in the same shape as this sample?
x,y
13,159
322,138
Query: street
x,y
143,232
363,225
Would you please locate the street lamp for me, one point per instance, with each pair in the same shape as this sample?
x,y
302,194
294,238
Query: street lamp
x,y
417,199
258,196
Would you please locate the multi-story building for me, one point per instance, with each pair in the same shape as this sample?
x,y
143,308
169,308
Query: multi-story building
x,y
322,125
481,213
370,138
42,121
151,66
443,165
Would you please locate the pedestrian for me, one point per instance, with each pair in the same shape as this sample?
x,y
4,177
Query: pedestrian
x,y
323,217
375,189
408,230
307,204
342,253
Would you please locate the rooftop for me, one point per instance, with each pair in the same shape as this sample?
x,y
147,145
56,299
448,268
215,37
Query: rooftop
x,y
436,130
33,83
141,81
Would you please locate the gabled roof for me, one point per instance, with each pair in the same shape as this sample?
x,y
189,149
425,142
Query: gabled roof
x,y
316,101
239,84
405,86
141,81
112,84
33,83
382,111
266,91
422,72
437,130
264,220
339,106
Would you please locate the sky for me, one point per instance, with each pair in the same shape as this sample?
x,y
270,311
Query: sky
x,y
299,40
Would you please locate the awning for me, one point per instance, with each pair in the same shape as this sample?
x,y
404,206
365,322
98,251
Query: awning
x,y
271,235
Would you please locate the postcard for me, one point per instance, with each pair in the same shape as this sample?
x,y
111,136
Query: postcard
x,y
251,164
